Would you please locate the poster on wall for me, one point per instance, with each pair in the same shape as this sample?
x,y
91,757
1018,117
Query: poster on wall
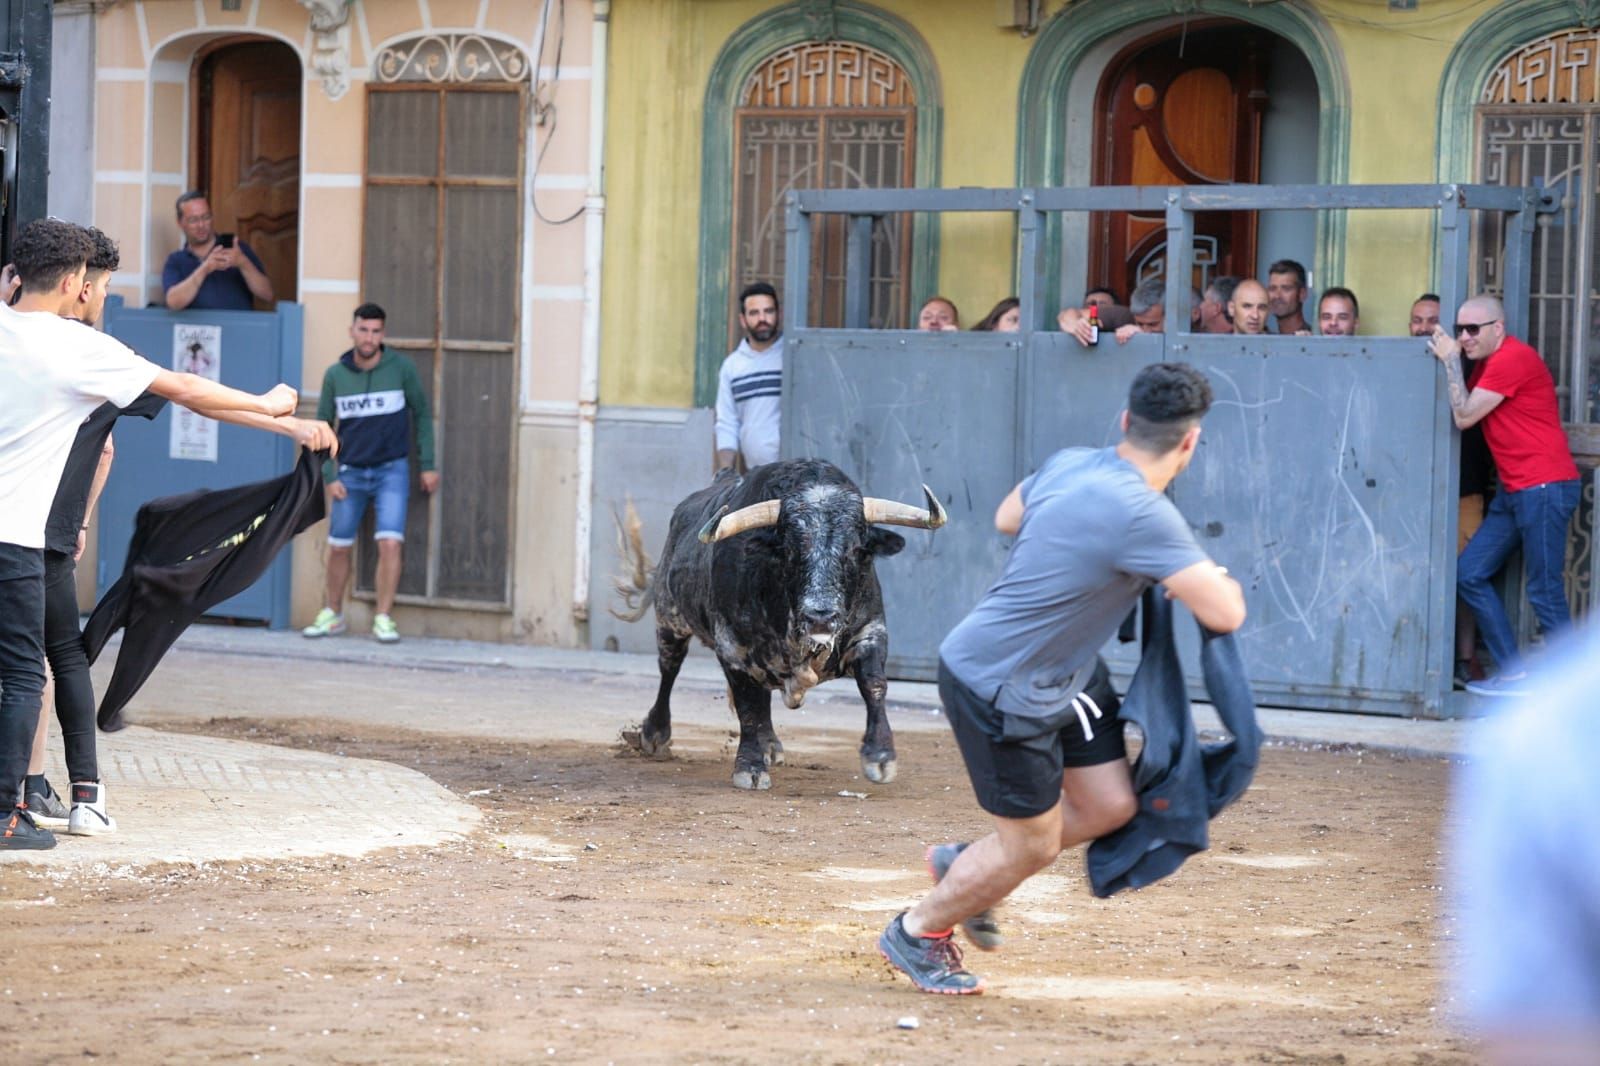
x,y
196,349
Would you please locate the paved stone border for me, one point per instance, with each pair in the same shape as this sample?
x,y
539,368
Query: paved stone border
x,y
193,799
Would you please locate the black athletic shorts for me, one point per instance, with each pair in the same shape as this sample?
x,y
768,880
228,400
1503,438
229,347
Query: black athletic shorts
x,y
1021,778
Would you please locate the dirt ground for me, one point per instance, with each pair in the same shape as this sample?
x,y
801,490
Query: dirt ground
x,y
620,910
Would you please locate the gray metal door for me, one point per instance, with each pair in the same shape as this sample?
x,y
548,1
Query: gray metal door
x,y
1321,482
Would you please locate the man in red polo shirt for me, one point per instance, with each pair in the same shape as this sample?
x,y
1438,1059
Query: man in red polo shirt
x,y
1510,391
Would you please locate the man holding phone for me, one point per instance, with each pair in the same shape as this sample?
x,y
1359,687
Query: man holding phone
x,y
212,271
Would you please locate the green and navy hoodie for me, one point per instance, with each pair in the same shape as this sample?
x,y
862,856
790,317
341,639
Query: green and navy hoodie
x,y
374,410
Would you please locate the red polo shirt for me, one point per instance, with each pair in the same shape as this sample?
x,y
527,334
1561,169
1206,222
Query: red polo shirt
x,y
1524,432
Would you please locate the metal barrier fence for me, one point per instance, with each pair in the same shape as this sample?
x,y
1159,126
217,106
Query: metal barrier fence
x,y
1326,479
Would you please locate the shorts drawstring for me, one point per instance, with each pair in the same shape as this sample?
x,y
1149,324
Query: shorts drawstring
x,y
1083,719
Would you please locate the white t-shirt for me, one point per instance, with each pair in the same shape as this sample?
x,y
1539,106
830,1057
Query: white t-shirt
x,y
53,373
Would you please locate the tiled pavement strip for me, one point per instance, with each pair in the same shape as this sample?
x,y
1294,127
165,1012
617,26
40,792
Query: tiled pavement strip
x,y
205,799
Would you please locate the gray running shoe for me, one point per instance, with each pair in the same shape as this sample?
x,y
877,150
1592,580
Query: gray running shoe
x,y
982,930
19,833
932,962
47,808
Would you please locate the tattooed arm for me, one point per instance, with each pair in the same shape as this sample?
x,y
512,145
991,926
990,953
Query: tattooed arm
x,y
1468,407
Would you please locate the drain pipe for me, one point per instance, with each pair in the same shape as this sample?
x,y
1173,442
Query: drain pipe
x,y
594,221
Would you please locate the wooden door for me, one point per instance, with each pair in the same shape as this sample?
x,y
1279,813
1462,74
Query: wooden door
x,y
249,151
1183,108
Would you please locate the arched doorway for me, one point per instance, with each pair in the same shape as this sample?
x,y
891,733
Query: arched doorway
x,y
247,149
1214,102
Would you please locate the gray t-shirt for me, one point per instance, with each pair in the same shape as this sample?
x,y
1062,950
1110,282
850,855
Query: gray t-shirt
x,y
1094,536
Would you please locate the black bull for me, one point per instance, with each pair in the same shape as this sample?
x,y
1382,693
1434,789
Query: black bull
x,y
774,573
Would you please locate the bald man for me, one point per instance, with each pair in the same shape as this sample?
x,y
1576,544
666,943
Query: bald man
x,y
1248,307
1510,391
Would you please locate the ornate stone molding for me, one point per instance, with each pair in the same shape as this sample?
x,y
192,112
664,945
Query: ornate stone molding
x,y
1587,12
330,47
450,57
822,20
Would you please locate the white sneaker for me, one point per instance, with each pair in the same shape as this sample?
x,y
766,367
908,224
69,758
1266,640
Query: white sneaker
x,y
88,817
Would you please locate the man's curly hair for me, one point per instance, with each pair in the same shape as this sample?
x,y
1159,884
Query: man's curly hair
x,y
1166,401
105,258
47,250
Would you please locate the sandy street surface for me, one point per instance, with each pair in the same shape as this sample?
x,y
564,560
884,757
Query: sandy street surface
x,y
613,909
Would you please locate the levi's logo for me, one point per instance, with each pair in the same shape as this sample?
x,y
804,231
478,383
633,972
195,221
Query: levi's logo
x,y
363,405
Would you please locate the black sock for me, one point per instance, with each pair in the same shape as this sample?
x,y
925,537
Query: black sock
x,y
33,783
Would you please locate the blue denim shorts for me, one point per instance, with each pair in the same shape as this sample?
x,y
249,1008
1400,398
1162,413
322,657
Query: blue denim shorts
x,y
387,486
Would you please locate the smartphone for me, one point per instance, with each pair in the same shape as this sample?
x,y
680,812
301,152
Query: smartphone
x,y
225,240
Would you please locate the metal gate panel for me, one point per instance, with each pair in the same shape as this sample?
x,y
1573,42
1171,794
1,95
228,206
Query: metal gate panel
x,y
895,411
1320,482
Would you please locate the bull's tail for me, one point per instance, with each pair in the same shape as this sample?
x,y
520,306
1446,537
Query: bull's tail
x,y
635,584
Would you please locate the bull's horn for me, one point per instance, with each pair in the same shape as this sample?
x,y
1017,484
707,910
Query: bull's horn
x,y
724,525
890,513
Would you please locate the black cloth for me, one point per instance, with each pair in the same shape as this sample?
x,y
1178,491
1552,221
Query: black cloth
x,y
188,554
1181,784
21,663
63,647
1477,465
72,495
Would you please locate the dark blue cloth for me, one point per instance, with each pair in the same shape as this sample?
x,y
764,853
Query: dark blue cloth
x,y
1535,518
223,290
1181,784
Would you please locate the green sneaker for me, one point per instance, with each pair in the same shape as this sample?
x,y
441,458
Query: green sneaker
x,y
329,623
383,629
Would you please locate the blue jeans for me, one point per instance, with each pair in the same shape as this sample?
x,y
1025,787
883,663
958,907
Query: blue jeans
x,y
1536,518
387,486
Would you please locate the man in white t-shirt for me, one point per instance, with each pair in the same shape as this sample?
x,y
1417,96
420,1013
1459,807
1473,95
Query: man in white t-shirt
x,y
750,384
53,372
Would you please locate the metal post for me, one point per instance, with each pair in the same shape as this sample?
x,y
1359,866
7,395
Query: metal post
x,y
1029,221
1180,267
27,72
1519,263
797,267
858,272
1455,248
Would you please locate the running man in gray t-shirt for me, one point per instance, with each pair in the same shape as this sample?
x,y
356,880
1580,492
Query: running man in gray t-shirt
x,y
1022,683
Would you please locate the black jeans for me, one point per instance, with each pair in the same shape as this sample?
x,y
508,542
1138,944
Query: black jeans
x,y
21,662
63,646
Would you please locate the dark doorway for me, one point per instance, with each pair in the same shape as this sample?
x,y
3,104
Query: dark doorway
x,y
247,150
1185,106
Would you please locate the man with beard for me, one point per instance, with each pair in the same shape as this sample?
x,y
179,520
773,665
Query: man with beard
x,y
1338,313
1286,296
750,386
374,398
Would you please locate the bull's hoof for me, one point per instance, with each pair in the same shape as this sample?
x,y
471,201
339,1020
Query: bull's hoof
x,y
757,780
880,769
654,745
772,748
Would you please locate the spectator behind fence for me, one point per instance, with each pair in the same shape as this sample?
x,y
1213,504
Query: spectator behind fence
x,y
1004,317
1477,471
1525,857
1424,315
1338,313
1247,307
1286,296
212,271
1075,320
938,314
750,384
1148,308
1102,298
1214,305
1509,390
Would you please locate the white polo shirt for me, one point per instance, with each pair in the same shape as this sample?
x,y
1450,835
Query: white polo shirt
x,y
53,372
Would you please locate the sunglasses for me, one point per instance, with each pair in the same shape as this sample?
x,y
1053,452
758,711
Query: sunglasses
x,y
1471,328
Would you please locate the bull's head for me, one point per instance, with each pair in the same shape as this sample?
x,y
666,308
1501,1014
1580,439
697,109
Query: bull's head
x,y
826,537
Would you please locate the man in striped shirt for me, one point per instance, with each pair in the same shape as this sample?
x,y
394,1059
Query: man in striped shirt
x,y
750,386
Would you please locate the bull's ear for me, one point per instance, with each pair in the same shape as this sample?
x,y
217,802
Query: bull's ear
x,y
884,542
